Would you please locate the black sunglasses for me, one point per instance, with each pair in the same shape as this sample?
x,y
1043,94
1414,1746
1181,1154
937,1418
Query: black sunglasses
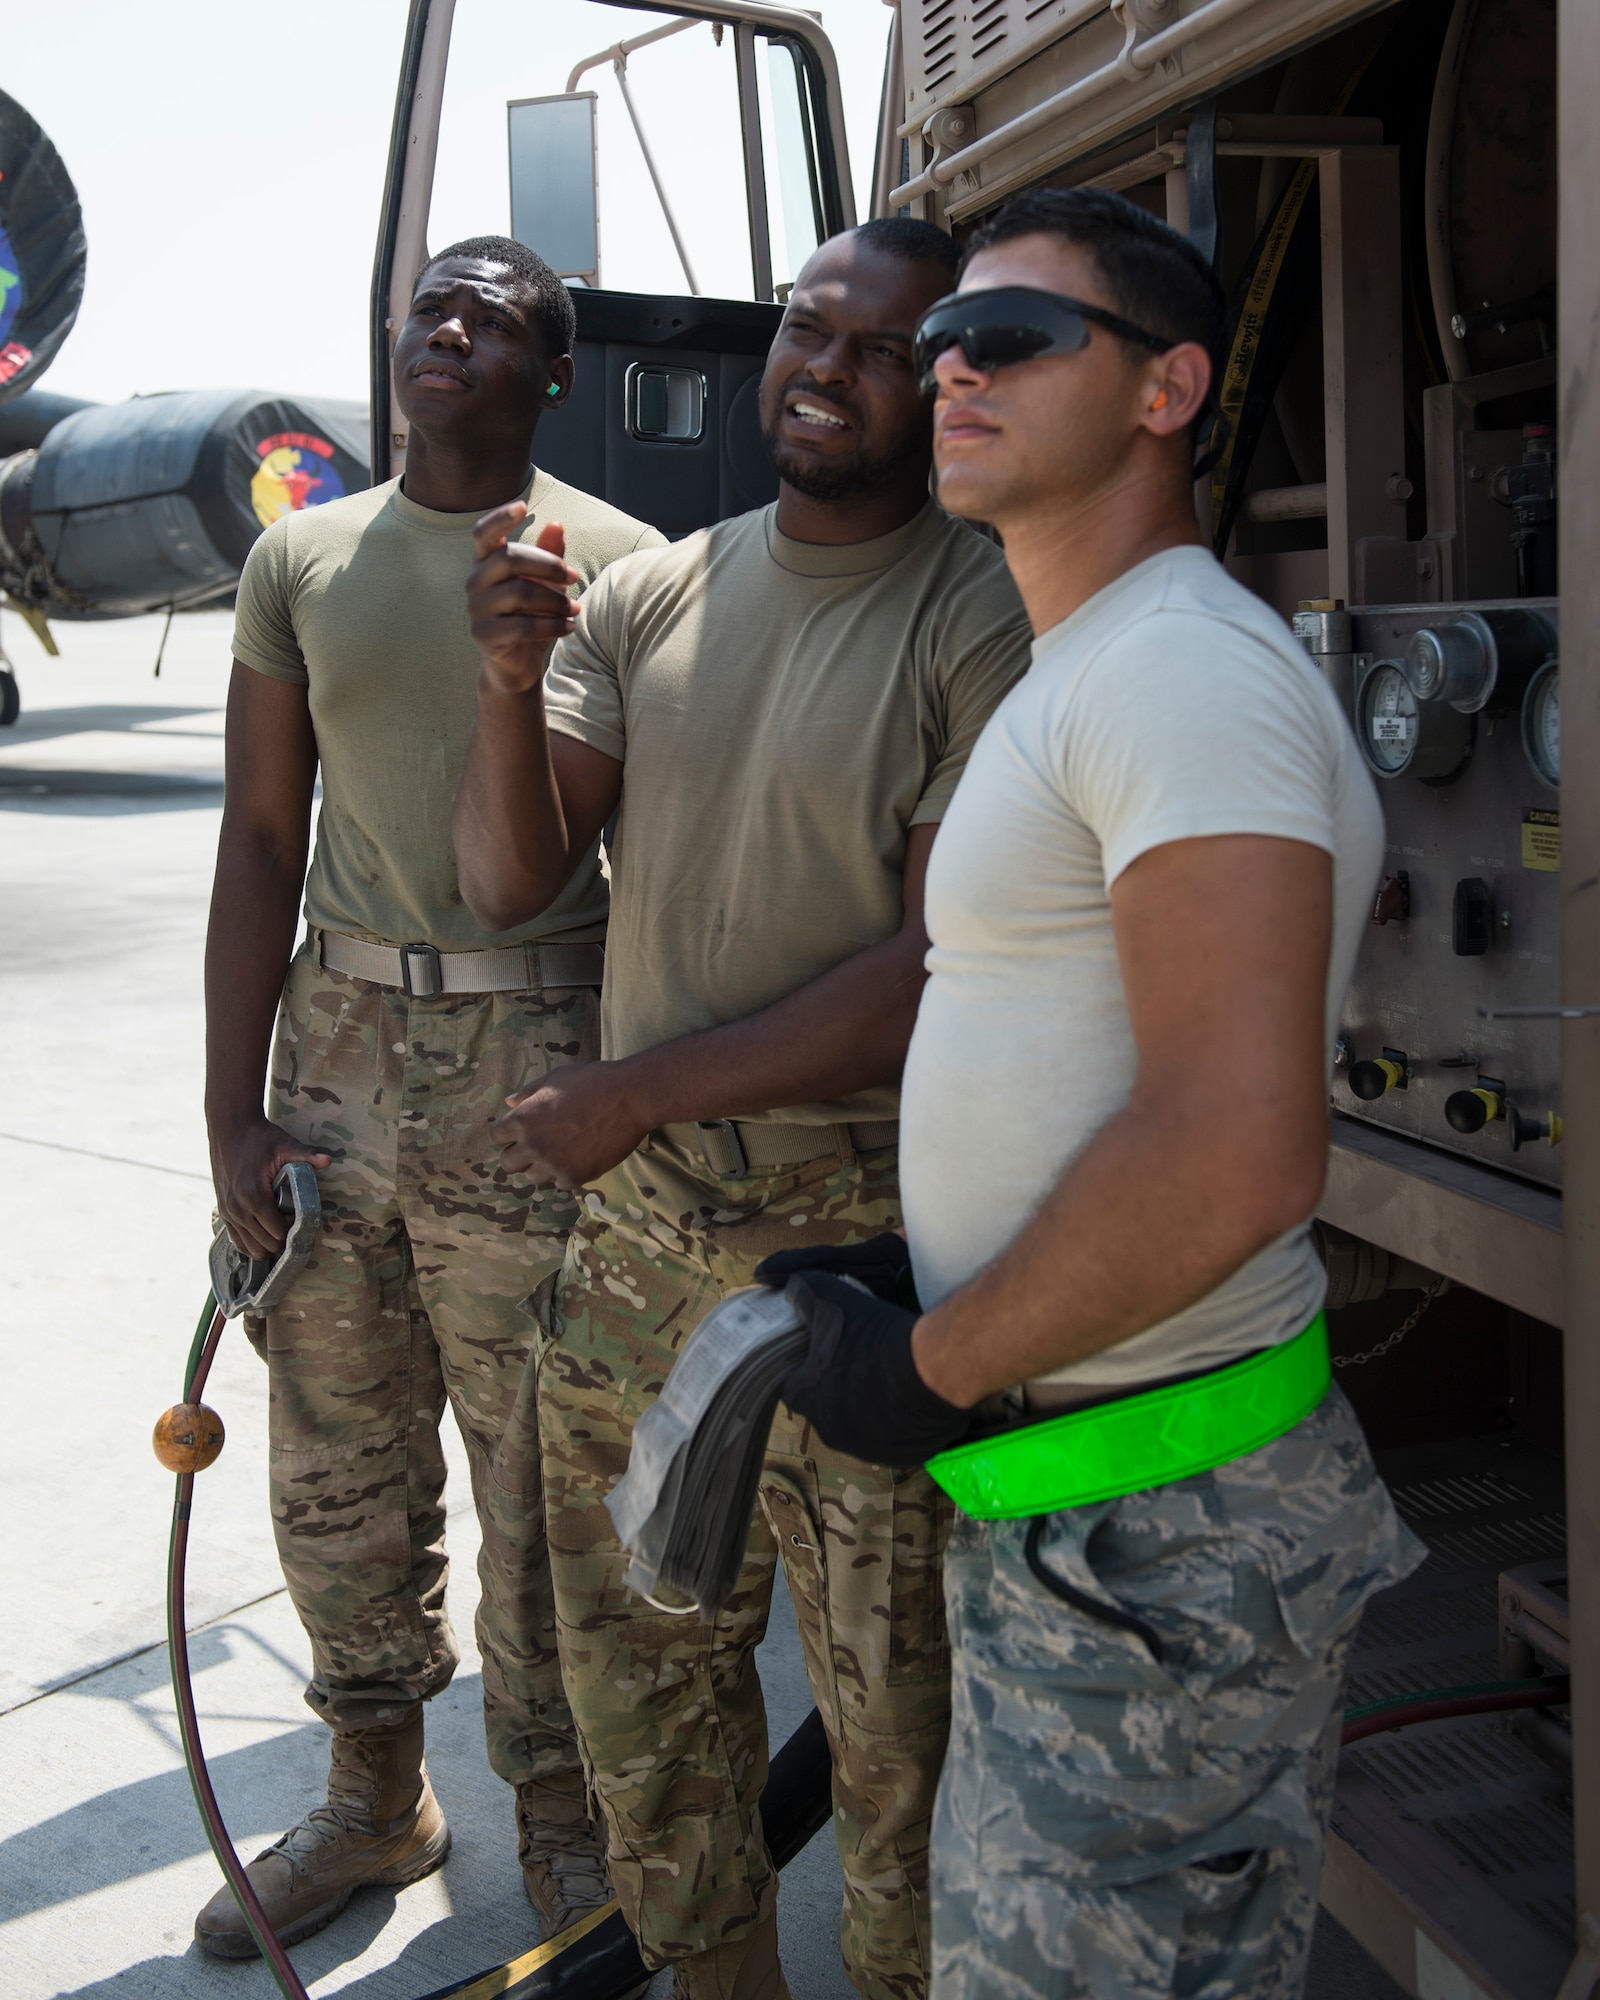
x,y
1014,323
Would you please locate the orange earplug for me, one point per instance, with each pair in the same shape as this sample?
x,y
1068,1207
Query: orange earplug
x,y
1160,402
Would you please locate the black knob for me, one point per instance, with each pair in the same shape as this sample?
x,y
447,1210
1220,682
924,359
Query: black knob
x,y
1370,1079
1471,1110
1526,1131
1469,918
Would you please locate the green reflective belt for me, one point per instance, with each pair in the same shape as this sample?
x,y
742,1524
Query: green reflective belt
x,y
1140,1441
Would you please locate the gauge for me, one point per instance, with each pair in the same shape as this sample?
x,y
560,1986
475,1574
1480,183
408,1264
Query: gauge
x,y
1402,737
1541,723
1388,719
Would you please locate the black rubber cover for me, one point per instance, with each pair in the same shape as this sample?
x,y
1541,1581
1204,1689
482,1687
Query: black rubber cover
x,y
796,1805
27,420
43,252
134,506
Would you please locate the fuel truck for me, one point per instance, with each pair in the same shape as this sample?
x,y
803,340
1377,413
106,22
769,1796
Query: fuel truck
x,y
1398,197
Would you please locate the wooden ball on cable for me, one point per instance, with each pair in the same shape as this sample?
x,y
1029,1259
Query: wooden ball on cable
x,y
188,1437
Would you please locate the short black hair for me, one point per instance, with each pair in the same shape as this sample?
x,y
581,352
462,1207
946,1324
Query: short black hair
x,y
553,312
913,242
1157,278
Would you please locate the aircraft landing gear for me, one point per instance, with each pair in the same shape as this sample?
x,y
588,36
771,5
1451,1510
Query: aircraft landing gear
x,y
10,698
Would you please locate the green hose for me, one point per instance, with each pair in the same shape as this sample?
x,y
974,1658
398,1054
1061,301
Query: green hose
x,y
206,1334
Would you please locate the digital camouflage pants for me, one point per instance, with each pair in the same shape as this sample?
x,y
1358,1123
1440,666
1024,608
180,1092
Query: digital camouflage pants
x,y
669,1709
1117,1828
415,1294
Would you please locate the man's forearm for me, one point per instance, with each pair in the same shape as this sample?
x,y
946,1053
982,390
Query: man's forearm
x,y
845,1032
513,855
249,942
1152,1217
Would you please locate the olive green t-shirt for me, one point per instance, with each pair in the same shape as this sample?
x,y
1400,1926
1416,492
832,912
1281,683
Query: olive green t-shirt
x,y
784,713
363,602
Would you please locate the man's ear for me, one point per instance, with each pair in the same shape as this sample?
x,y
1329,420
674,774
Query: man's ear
x,y
559,377
1173,387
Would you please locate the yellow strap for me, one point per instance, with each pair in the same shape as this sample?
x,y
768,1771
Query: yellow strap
x,y
504,1977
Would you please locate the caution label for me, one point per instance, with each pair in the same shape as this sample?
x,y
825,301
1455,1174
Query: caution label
x,y
1541,841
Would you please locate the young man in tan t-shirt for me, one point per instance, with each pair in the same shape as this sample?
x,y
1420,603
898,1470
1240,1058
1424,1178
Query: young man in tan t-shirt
x,y
777,710
353,654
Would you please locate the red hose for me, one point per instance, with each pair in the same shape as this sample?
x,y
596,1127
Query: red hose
x,y
1491,1698
205,1798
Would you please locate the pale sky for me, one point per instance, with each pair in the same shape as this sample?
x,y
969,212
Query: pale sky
x,y
230,160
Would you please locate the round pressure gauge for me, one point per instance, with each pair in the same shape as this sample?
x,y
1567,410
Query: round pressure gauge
x,y
1541,723
1388,719
1403,737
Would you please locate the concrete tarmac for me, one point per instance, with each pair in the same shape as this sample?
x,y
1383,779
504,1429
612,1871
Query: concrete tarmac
x,y
110,797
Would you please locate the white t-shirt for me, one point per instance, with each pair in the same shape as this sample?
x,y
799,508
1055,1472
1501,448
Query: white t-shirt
x,y
1173,705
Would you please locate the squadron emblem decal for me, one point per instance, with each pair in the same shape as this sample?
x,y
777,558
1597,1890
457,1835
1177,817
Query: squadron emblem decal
x,y
14,357
296,471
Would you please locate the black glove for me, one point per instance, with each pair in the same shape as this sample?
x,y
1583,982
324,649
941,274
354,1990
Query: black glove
x,y
858,1384
883,1265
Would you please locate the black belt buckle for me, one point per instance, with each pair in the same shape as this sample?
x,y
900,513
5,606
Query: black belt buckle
x,y
415,958
721,1149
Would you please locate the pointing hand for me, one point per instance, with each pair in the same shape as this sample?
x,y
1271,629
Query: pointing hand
x,y
517,598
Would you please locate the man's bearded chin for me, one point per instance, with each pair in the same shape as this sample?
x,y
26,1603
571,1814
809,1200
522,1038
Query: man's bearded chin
x,y
859,474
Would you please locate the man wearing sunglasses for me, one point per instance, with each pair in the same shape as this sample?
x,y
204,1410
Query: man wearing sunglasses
x,y
1144,911
776,711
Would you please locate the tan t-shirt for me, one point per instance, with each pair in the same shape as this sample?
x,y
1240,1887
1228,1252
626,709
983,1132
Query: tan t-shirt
x,y
363,602
784,713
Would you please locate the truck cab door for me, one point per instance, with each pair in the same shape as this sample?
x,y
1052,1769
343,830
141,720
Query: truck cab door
x,y
663,419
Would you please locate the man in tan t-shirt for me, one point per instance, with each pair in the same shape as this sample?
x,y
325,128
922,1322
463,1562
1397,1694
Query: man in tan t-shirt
x,y
777,710
403,1024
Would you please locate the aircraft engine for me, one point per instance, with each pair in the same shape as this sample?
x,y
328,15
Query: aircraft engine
x,y
138,506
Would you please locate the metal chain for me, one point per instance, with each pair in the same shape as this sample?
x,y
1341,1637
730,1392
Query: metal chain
x,y
1399,1334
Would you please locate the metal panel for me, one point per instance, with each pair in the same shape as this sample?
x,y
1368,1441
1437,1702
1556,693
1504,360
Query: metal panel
x,y
1364,409
956,46
1578,87
1072,79
1411,991
1469,1224
1470,523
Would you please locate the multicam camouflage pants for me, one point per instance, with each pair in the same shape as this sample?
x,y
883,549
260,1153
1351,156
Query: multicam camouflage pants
x,y
669,1709
415,1294
1115,1828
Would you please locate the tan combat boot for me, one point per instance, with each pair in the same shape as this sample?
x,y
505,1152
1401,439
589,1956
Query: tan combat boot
x,y
747,1969
562,1851
381,1826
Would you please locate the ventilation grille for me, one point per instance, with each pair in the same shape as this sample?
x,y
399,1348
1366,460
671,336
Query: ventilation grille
x,y
939,44
1506,1544
1458,1764
1397,1677
1556,1915
1512,1839
1393,1621
1435,1497
949,42
989,24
